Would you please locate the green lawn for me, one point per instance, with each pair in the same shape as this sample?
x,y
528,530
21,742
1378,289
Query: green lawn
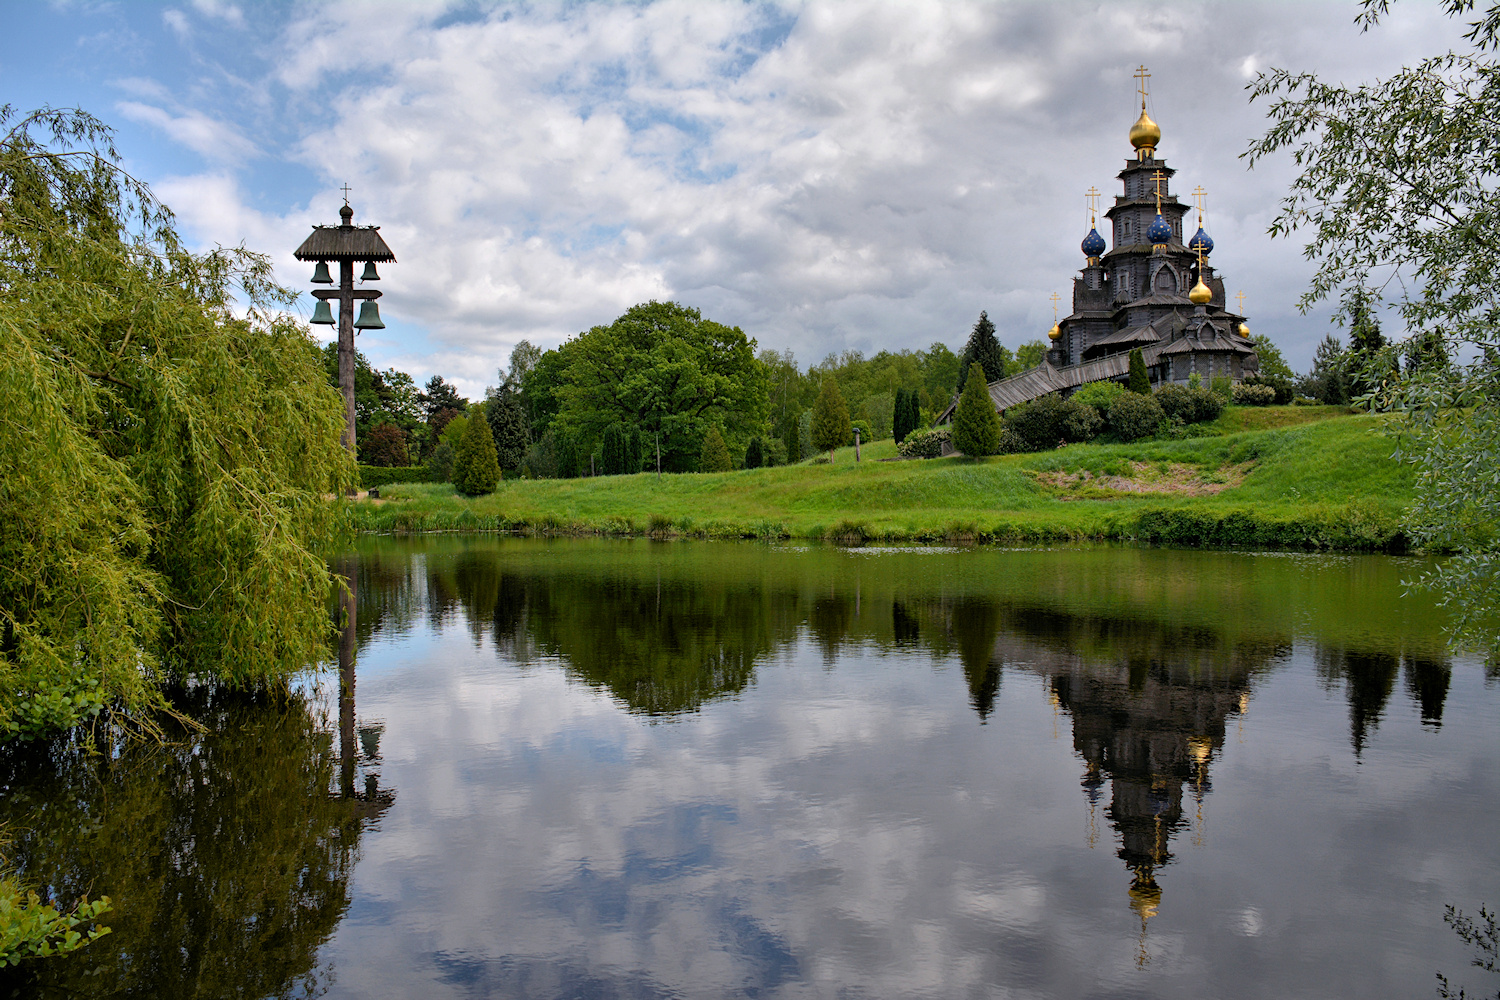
x,y
1300,477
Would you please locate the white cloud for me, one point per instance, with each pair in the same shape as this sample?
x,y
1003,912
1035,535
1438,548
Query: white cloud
x,y
870,177
210,138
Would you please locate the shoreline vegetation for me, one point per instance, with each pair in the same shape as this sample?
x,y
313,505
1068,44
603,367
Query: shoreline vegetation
x,y
1311,478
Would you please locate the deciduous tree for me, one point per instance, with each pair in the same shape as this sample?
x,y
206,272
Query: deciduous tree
x,y
163,460
1399,189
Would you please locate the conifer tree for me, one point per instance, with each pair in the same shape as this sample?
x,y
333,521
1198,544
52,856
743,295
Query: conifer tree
x,y
984,350
976,422
753,457
510,426
475,469
830,419
1139,381
899,428
715,456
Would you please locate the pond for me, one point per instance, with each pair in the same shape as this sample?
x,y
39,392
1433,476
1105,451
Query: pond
x,y
607,768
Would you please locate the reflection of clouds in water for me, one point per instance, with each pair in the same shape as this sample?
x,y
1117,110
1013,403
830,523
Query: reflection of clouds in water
x,y
835,820
1249,922
570,836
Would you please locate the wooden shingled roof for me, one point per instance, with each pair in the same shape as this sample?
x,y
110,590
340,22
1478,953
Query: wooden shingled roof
x,y
346,242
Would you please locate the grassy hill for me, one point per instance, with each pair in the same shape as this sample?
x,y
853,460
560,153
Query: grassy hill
x,y
1292,477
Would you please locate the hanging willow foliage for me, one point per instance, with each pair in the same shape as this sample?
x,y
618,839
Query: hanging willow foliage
x,y
165,464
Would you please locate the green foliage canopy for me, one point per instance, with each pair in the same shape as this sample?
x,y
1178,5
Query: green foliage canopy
x,y
662,367
163,463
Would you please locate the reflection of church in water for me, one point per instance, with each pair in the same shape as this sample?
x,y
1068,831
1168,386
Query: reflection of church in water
x,y
1151,732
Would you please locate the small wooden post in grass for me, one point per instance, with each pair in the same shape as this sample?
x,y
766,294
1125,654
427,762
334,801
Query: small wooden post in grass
x,y
856,444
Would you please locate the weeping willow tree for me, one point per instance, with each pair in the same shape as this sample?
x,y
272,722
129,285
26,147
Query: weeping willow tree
x,y
165,460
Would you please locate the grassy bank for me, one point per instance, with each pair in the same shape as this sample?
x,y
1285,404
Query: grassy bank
x,y
1284,477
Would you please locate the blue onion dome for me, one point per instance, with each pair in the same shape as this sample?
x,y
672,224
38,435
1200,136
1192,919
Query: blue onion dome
x,y
1093,244
1159,232
1201,241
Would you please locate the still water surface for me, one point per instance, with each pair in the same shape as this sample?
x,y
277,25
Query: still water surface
x,y
636,769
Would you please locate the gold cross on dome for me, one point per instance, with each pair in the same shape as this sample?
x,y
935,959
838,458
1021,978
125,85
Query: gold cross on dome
x,y
1141,76
1092,194
1055,300
1158,177
1240,297
1200,201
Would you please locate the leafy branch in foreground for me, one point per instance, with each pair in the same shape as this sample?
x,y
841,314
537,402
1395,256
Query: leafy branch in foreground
x,y
1399,199
30,928
164,463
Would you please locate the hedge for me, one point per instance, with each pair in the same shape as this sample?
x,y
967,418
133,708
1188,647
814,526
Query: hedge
x,y
379,475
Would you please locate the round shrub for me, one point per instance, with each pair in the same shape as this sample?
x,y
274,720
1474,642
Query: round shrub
x,y
866,435
1254,395
1133,416
1191,404
926,443
1043,422
1098,395
1207,405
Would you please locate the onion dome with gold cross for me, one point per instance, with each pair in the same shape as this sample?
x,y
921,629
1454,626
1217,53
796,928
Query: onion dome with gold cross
x,y
1201,241
1145,134
1160,232
1201,295
1093,245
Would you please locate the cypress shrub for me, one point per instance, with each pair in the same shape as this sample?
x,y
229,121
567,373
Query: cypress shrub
x,y
899,426
475,468
614,451
1140,382
715,455
976,424
753,456
830,419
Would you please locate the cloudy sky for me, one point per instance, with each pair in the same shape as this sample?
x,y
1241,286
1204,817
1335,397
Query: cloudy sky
x,y
827,176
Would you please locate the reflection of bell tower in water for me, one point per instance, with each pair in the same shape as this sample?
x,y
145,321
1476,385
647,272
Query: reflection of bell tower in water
x,y
359,746
1151,731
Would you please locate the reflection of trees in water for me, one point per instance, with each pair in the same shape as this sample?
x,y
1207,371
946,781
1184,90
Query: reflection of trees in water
x,y
660,646
1369,679
225,855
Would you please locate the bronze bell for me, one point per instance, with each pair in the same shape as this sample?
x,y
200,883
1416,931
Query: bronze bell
x,y
323,314
370,274
369,316
321,275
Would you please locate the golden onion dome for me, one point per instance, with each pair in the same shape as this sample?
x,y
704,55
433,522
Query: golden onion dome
x,y
1145,133
1055,332
1245,330
1201,294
